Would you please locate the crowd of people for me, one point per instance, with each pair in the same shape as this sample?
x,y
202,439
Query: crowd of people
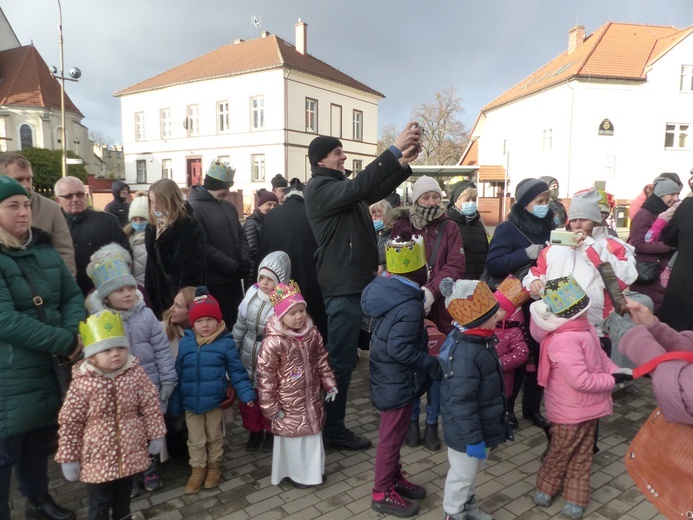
x,y
166,310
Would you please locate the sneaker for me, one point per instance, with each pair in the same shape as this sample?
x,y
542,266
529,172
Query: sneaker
x,y
473,512
136,490
152,482
254,441
408,490
542,499
572,511
347,441
392,503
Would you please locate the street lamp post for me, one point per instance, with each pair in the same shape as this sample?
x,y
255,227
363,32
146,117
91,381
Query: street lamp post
x,y
62,92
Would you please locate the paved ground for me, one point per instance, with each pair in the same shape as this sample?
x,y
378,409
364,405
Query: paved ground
x,y
504,487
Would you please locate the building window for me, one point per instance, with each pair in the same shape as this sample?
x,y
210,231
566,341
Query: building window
x,y
119,155
257,167
166,169
676,136
336,121
312,115
141,171
223,116
358,125
165,123
26,136
257,107
223,159
193,120
687,78
139,126
356,166
547,140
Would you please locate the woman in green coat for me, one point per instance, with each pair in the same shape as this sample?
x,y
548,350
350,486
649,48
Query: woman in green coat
x,y
32,275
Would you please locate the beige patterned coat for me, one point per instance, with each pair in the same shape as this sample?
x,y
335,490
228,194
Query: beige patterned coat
x,y
107,422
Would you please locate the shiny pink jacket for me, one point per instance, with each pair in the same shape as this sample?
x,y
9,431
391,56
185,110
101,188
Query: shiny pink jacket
x,y
292,371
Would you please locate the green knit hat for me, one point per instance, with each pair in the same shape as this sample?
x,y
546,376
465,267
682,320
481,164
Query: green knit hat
x,y
10,187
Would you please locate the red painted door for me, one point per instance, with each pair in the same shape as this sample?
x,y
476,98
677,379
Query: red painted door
x,y
194,172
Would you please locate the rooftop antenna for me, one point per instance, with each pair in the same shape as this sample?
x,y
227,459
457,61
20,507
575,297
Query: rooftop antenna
x,y
257,21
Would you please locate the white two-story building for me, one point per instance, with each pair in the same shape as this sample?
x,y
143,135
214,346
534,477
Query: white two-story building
x,y
613,110
256,104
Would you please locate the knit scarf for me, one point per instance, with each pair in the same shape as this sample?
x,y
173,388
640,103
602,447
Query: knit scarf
x,y
214,335
421,216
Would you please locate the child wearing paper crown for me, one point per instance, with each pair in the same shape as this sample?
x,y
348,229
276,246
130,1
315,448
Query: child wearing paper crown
x,y
207,362
578,378
248,332
471,395
292,371
110,422
512,347
116,290
400,366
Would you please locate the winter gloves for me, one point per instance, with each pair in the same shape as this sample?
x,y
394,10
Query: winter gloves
x,y
428,299
166,392
533,251
616,326
620,377
71,470
331,395
478,450
156,446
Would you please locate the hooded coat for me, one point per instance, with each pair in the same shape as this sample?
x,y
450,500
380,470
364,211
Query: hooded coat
x,y
107,421
119,206
474,241
255,310
147,340
28,389
176,259
400,367
292,372
555,205
287,229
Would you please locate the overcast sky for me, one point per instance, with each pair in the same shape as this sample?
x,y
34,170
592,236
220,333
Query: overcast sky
x,y
407,50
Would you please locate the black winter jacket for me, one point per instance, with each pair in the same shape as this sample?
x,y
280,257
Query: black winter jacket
x,y
226,248
253,232
119,206
287,229
472,403
90,231
337,209
174,260
400,367
474,240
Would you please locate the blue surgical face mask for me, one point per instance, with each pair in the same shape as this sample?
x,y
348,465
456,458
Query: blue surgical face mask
x,y
139,227
160,214
378,224
540,211
468,208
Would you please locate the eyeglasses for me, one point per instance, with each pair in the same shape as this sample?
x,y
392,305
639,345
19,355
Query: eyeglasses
x,y
70,196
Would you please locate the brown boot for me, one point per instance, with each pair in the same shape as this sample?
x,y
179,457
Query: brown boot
x,y
195,481
213,475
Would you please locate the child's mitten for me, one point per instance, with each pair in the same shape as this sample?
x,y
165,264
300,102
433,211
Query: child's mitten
x,y
166,391
478,450
331,395
71,470
156,445
616,326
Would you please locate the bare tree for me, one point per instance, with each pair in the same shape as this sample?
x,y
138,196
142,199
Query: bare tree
x,y
388,136
99,138
444,135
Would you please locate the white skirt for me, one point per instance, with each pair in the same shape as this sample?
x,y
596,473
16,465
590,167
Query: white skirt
x,y
302,459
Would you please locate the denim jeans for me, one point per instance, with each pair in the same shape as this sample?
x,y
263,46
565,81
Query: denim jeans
x,y
343,325
28,454
432,405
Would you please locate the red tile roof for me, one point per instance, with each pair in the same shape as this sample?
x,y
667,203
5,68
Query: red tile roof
x,y
614,51
255,55
26,81
491,174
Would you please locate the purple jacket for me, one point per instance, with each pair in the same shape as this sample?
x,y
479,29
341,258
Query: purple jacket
x,y
672,380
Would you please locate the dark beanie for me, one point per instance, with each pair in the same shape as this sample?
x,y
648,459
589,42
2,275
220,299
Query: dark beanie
x,y
457,189
320,147
527,189
264,196
279,181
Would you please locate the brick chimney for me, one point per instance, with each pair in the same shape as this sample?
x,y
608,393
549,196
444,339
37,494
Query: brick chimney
x,y
301,37
576,37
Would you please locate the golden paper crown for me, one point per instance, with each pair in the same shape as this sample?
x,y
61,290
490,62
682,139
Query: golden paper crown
x,y
102,331
405,257
512,289
475,309
284,291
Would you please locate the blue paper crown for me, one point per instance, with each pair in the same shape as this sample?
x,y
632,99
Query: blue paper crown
x,y
565,297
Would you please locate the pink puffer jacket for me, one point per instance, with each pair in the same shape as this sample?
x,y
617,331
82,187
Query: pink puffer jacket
x,y
292,369
106,423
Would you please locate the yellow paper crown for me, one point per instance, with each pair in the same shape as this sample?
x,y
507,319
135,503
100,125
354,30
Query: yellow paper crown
x,y
102,331
284,291
405,257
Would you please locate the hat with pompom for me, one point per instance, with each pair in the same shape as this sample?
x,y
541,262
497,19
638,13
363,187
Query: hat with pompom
x,y
204,305
469,302
110,268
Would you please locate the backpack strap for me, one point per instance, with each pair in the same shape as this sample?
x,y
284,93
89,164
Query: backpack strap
x,y
436,246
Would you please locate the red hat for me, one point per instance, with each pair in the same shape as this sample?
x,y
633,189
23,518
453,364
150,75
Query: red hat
x,y
204,306
265,196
